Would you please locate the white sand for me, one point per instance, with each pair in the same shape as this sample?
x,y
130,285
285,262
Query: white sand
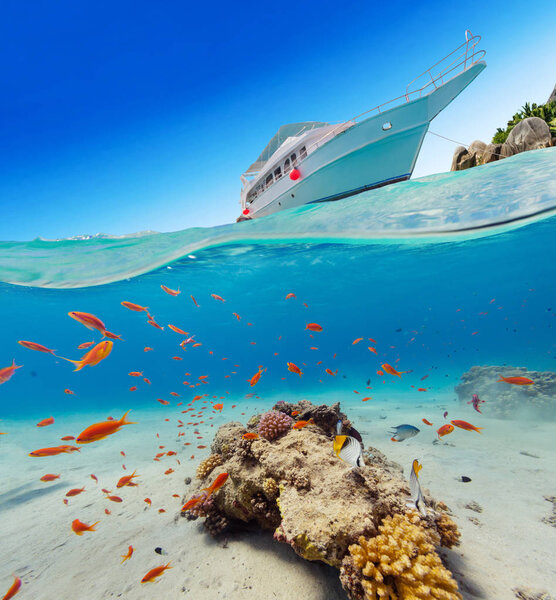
x,y
509,547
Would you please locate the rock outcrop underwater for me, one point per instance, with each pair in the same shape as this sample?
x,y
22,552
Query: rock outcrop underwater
x,y
355,519
536,401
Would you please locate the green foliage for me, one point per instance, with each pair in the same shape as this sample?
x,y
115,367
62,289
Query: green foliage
x,y
546,112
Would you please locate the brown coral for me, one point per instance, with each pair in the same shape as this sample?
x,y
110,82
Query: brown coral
x,y
206,466
448,530
401,563
216,523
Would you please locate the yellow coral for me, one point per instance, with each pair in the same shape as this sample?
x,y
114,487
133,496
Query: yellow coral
x,y
401,563
448,530
270,488
206,466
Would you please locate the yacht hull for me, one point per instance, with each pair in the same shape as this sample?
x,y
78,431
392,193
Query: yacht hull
x,y
378,151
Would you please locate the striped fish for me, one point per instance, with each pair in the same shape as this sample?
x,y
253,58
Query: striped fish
x,y
349,450
417,498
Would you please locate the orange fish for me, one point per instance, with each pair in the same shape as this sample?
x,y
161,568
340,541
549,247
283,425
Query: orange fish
x,y
373,350
171,292
193,502
216,484
14,588
313,327
465,425
301,424
217,297
147,349
445,430
390,370
107,512
154,573
7,372
381,373
168,471
85,345
68,391
111,335
54,451
294,369
94,477
333,373
174,394
114,498
148,501
194,301
94,356
130,549
136,373
290,295
126,480
366,399
356,341
75,492
421,389
147,380
255,379
50,477
154,324
426,422
295,413
250,436
177,329
98,431
37,347
46,422
516,380
163,402
237,316
133,388
79,528
219,407
135,307
89,320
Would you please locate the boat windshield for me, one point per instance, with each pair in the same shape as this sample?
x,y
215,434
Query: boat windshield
x,y
286,131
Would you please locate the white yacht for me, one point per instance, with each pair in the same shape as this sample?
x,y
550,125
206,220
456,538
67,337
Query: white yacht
x,y
315,161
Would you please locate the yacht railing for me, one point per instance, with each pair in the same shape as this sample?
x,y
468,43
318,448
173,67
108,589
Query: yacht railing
x,y
463,57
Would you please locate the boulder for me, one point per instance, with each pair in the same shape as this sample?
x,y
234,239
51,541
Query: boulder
x,y
459,154
530,134
552,97
492,152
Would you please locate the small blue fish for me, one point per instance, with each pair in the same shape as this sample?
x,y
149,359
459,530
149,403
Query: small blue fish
x,y
403,432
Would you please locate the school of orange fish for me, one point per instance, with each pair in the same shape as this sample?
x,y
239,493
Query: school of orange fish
x,y
97,352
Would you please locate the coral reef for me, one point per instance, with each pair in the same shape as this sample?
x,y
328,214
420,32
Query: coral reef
x,y
206,466
294,486
448,531
510,401
215,523
400,562
524,594
273,424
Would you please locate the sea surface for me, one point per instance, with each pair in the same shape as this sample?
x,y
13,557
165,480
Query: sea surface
x,y
436,275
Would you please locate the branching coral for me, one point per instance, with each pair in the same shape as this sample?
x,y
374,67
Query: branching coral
x,y
448,530
215,523
273,424
400,564
206,466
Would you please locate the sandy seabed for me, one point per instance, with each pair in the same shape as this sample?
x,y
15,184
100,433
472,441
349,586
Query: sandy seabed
x,y
512,466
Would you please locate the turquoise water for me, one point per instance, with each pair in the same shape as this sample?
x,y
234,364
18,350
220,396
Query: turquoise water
x,y
444,273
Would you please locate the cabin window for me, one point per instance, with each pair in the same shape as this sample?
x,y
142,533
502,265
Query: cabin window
x,y
278,173
386,126
287,166
302,153
293,159
268,180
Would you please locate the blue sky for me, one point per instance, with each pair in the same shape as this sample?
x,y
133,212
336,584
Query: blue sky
x,y
128,116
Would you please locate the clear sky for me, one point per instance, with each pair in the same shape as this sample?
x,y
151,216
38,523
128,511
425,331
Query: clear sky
x,y
126,116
